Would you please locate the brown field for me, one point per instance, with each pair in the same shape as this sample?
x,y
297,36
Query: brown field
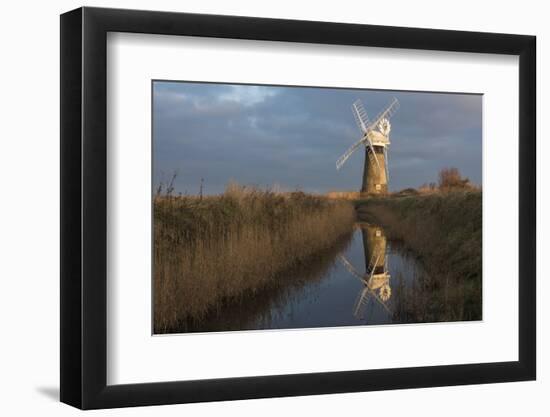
x,y
208,250
344,195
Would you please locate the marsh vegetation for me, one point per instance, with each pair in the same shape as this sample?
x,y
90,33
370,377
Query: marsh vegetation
x,y
443,230
212,250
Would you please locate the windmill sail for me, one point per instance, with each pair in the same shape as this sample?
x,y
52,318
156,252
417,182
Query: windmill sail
x,y
348,153
372,156
351,269
361,303
360,115
386,114
362,120
363,141
367,290
386,164
366,127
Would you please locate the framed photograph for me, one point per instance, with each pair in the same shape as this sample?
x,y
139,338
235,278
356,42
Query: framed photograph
x,y
259,208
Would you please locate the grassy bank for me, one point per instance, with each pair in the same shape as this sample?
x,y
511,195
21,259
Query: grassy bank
x,y
444,231
213,249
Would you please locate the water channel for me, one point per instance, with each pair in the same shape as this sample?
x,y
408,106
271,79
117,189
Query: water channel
x,y
365,281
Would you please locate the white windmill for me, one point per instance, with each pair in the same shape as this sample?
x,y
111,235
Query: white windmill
x,y
375,138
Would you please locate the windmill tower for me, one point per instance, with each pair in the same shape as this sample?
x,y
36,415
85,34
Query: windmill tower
x,y
375,138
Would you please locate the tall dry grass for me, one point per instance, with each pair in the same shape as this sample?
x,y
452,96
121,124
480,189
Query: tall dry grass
x,y
211,249
261,309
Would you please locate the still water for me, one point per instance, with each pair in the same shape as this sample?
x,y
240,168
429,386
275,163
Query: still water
x,y
362,282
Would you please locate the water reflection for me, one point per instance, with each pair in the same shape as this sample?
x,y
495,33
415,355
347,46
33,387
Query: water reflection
x,y
365,279
376,278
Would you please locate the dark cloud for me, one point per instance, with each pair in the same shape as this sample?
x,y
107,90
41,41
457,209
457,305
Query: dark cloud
x,y
292,136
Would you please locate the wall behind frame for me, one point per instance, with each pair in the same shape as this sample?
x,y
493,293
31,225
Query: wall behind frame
x,y
29,175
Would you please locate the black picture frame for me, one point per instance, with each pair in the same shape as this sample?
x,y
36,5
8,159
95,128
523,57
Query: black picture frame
x,y
84,207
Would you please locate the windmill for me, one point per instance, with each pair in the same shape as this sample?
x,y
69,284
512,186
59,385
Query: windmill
x,y
375,138
376,279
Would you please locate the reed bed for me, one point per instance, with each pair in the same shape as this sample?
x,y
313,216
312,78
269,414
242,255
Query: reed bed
x,y
260,309
208,250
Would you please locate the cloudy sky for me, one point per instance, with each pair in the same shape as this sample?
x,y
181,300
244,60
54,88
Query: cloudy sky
x,y
292,136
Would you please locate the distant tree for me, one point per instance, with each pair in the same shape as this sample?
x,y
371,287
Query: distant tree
x,y
450,178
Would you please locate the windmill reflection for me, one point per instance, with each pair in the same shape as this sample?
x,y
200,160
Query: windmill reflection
x,y
376,278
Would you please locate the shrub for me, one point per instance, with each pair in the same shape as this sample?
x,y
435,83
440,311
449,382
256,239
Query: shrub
x,y
450,178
